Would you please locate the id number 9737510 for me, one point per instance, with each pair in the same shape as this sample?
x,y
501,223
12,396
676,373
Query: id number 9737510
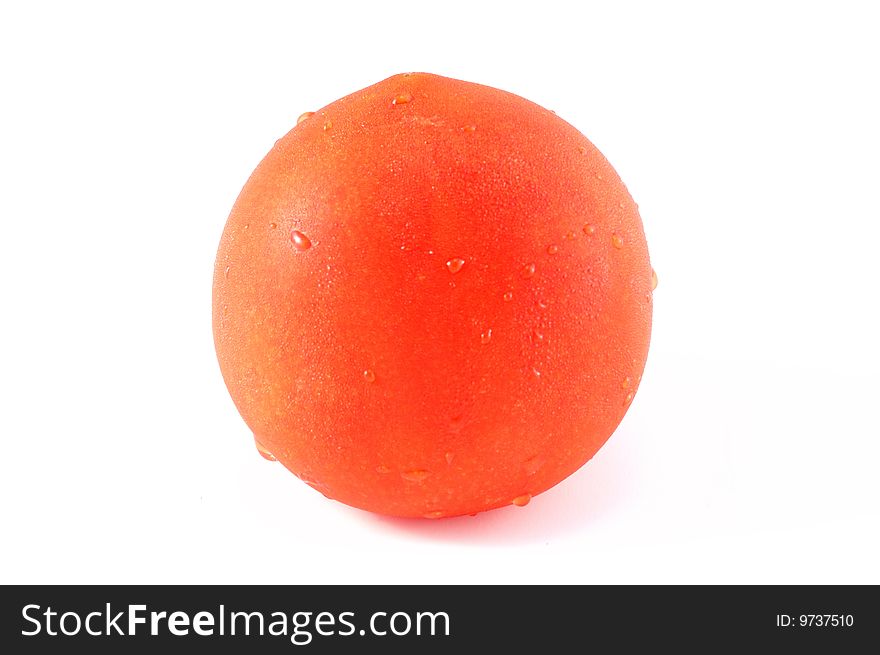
x,y
815,620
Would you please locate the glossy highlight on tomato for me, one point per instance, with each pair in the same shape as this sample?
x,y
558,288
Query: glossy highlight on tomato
x,y
432,298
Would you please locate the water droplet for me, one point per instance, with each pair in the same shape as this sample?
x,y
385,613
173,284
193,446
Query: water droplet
x,y
416,475
382,469
369,376
528,270
469,128
315,484
450,457
628,398
328,125
455,265
300,240
272,226
265,454
537,335
303,116
522,501
626,382
402,98
542,304
226,272
552,249
433,515
599,176
653,279
322,491
589,230
533,464
569,236
508,296
486,337
536,372
617,241
247,225
582,149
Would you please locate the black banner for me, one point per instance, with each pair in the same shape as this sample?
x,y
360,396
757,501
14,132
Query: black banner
x,y
392,619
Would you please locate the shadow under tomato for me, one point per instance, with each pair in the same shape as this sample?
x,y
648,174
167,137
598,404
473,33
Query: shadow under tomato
x,y
570,507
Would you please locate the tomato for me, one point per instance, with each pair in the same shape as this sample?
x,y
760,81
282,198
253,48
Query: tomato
x,y
432,298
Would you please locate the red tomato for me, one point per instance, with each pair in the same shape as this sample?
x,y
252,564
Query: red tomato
x,y
432,298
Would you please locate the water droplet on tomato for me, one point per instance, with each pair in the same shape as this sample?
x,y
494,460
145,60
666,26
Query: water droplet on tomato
x,y
321,488
265,454
272,226
626,382
486,337
433,515
416,475
455,265
315,484
628,399
508,296
449,457
653,279
300,240
226,272
537,335
402,98
552,249
303,116
617,241
328,126
369,375
589,230
522,501
528,270
469,128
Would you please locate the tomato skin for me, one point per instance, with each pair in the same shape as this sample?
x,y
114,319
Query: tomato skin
x,y
468,317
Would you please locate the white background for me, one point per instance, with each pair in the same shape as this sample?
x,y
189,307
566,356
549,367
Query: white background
x,y
748,135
